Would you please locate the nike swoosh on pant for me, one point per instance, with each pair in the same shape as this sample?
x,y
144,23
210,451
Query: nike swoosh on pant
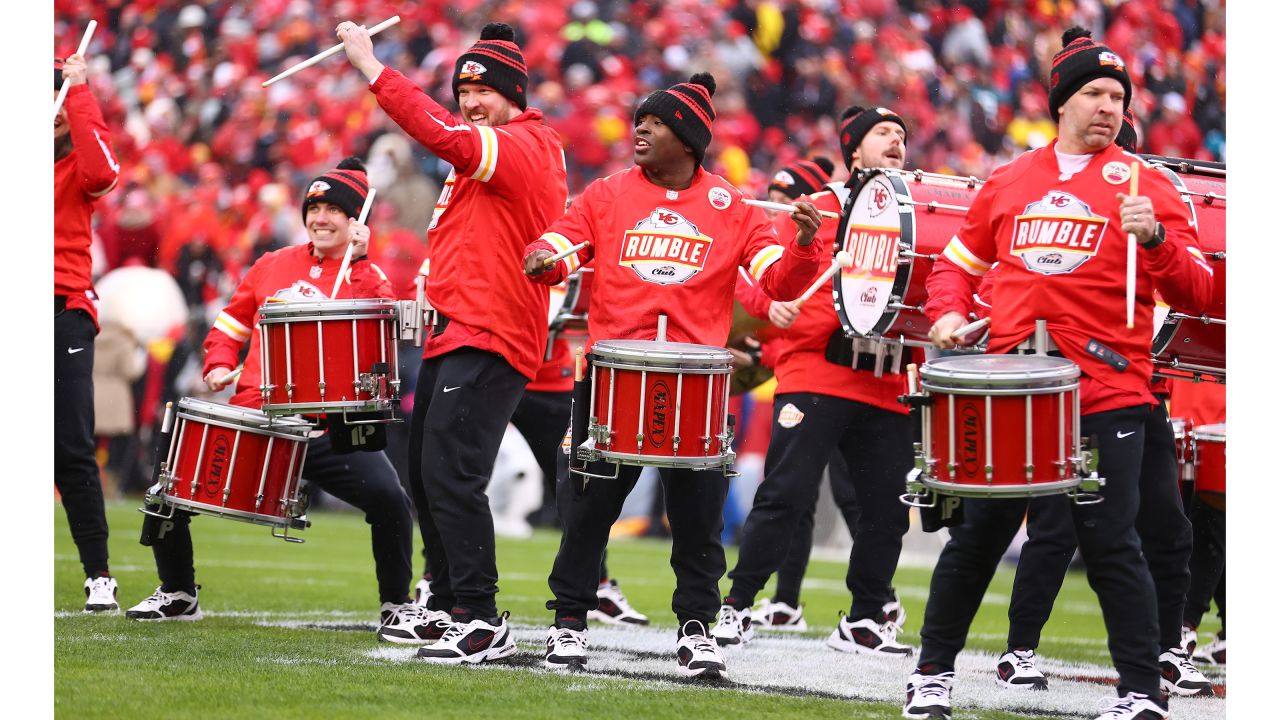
x,y
73,351
451,389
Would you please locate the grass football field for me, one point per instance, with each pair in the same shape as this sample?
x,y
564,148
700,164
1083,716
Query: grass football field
x,y
289,632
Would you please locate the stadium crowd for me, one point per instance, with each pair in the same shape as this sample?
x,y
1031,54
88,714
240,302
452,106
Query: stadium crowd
x,y
211,161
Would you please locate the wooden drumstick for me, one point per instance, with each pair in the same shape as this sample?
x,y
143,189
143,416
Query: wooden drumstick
x,y
84,47
231,376
1131,256
579,365
966,329
330,52
842,260
913,378
346,257
785,207
548,262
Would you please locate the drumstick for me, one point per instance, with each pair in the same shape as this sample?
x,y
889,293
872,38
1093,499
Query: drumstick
x,y
1131,256
564,254
913,378
330,52
966,329
84,47
842,260
786,208
579,369
346,257
231,376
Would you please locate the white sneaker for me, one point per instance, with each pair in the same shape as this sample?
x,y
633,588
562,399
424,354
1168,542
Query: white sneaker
x,y
1016,670
422,592
1215,653
471,642
1179,677
867,637
929,696
614,608
1134,706
733,627
100,594
411,624
770,615
1189,640
697,655
167,606
894,611
566,649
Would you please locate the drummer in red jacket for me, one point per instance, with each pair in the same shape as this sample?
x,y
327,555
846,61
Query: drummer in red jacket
x,y
366,480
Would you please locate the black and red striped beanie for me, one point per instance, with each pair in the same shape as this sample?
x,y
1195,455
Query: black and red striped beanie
x,y
805,177
1081,60
856,122
1127,138
345,186
687,109
495,60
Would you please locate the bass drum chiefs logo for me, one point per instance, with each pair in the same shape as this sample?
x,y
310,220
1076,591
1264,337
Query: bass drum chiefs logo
x,y
719,198
880,197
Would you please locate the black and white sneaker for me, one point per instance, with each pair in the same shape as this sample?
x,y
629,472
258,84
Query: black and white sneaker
x,y
422,591
867,637
1016,670
697,654
167,606
1134,706
928,696
1215,653
1189,640
566,649
614,608
894,612
770,615
411,624
471,642
100,594
1179,677
733,626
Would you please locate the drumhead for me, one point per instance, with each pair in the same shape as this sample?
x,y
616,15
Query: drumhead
x,y
999,371
243,417
872,224
653,352
1216,432
271,312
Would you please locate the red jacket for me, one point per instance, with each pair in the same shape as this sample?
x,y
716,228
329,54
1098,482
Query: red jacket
x,y
289,274
506,186
674,252
87,173
1063,256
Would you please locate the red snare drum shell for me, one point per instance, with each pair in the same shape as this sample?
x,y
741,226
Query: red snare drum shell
x,y
1211,458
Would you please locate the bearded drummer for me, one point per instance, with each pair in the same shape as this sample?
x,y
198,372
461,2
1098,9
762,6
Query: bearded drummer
x,y
829,401
1057,219
366,480
668,238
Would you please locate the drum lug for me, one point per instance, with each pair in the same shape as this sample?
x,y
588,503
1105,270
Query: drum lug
x,y
1087,493
292,525
321,386
917,494
675,445
367,383
288,390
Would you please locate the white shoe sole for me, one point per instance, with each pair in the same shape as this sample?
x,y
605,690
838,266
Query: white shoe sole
x,y
198,615
597,616
97,609
403,641
1022,687
571,666
835,642
484,656
702,672
799,627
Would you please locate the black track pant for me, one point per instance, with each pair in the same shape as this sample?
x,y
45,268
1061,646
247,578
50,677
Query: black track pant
x,y
75,469
791,574
1208,563
541,417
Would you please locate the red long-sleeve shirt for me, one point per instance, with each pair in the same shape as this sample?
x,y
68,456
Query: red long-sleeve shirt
x,y
293,273
506,186
1062,252
87,173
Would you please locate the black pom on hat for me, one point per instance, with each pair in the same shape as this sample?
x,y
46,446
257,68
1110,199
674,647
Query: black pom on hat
x,y
1080,61
687,109
495,60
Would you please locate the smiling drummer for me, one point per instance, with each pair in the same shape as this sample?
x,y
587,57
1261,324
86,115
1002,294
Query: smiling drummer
x,y
1056,219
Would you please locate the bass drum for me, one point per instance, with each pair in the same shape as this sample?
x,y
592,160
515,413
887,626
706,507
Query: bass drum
x,y
1197,342
894,226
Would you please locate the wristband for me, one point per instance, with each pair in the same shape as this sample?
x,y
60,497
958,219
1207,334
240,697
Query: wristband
x,y
1157,239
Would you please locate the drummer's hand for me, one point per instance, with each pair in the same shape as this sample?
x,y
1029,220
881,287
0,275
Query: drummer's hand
x,y
74,71
359,49
783,314
358,236
1137,216
940,333
217,378
807,221
534,262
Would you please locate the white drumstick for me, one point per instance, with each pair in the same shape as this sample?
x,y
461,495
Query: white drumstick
x,y
84,47
913,378
346,257
785,207
1131,256
842,260
966,329
330,52
564,254
231,376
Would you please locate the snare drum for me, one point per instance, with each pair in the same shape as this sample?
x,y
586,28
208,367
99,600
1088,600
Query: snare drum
x,y
235,462
569,310
1182,448
662,404
331,356
1000,426
1209,449
895,227
1196,342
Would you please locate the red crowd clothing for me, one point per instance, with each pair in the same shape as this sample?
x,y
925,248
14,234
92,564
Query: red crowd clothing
x,y
506,186
672,252
293,273
87,173
1070,232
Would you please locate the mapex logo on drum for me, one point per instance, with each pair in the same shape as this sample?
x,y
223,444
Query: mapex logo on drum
x,y
659,405
217,465
969,435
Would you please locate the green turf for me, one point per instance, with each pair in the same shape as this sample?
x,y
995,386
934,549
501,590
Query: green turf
x,y
230,667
